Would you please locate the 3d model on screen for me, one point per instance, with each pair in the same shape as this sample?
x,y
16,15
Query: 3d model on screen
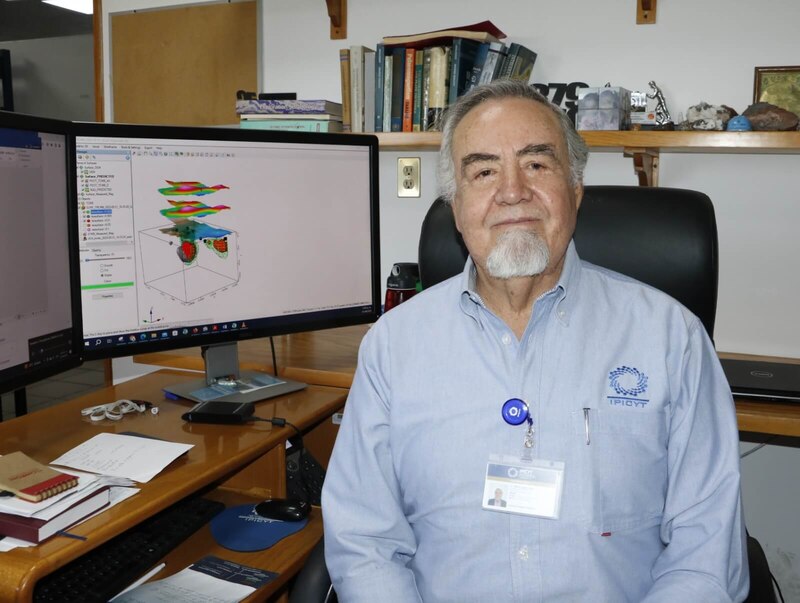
x,y
193,274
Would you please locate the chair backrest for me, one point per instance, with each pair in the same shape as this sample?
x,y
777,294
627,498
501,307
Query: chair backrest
x,y
665,237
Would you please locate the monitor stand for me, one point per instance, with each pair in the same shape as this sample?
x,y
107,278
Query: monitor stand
x,y
224,382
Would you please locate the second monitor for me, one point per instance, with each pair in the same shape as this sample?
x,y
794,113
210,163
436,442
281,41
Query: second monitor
x,y
199,236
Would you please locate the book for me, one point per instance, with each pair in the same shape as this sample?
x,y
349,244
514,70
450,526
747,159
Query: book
x,y
518,65
31,480
36,530
416,121
408,89
289,116
463,53
485,31
387,91
369,91
477,66
380,79
357,88
244,107
344,72
292,125
494,62
438,86
426,88
398,82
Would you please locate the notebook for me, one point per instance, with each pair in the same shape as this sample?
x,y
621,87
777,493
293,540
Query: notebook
x,y
757,380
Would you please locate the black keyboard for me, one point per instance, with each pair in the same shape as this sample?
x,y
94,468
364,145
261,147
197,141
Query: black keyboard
x,y
304,475
105,571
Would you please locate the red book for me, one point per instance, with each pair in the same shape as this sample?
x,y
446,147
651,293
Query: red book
x,y
408,91
30,479
35,530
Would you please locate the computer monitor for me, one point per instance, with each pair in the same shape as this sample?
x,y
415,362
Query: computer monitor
x,y
200,236
39,313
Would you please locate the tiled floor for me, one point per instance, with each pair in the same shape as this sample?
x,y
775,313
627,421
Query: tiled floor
x,y
87,377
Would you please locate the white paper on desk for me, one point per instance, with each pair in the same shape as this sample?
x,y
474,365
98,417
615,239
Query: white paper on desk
x,y
134,457
189,586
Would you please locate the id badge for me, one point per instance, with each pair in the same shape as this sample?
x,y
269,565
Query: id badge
x,y
526,487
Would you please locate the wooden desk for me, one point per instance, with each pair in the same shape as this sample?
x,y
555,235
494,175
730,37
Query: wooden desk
x,y
329,358
325,357
237,464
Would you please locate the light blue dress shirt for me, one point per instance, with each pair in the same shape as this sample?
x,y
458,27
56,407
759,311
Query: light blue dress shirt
x,y
651,507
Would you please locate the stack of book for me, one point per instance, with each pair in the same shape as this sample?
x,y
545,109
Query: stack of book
x,y
290,115
405,84
45,501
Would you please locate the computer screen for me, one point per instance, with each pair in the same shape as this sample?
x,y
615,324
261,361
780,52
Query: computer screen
x,y
39,315
194,236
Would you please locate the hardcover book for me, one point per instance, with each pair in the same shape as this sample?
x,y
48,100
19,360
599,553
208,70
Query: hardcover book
x,y
463,55
438,86
359,56
344,73
288,106
485,31
494,62
388,74
408,89
31,480
416,122
518,65
292,125
398,84
32,529
380,79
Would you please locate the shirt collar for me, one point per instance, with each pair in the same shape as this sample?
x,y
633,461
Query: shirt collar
x,y
568,281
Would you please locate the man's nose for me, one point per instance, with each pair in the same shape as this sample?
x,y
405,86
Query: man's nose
x,y
512,188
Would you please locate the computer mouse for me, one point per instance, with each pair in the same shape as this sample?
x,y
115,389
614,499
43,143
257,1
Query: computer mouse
x,y
285,509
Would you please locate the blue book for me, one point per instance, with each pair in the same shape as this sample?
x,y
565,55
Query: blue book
x,y
380,63
462,59
477,68
398,80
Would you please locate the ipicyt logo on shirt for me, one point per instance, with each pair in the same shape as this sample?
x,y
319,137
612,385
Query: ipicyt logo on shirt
x,y
628,384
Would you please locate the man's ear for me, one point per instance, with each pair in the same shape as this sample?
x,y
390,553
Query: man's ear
x,y
452,205
578,189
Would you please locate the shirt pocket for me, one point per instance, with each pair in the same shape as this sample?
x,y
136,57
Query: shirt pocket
x,y
624,468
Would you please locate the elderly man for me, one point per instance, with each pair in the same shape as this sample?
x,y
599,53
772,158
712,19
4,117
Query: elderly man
x,y
597,404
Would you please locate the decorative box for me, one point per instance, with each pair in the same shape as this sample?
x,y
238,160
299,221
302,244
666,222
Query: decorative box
x,y
604,108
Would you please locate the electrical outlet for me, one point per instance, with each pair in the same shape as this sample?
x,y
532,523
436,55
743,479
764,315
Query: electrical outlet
x,y
408,177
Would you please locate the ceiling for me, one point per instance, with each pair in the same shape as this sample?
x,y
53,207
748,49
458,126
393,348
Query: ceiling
x,y
30,19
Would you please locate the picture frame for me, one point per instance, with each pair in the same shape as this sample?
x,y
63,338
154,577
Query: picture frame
x,y
779,86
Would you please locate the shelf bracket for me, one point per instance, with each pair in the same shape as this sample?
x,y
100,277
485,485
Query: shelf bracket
x,y
337,11
645,164
645,11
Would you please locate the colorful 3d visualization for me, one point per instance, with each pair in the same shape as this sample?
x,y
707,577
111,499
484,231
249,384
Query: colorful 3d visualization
x,y
190,231
190,188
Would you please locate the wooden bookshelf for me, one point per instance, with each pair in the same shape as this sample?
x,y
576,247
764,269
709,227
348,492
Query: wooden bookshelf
x,y
644,147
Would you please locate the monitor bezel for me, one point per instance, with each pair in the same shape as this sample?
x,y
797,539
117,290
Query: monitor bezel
x,y
297,323
15,380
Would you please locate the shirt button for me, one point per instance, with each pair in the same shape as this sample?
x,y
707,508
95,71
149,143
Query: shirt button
x,y
522,553
506,339
561,314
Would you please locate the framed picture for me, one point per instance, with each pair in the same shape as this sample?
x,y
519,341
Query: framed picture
x,y
779,86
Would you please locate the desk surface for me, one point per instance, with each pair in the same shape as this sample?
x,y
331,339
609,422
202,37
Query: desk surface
x,y
329,358
238,469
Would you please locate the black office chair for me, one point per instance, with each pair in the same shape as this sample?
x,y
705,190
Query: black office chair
x,y
313,584
664,237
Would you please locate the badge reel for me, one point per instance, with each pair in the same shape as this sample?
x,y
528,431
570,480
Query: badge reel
x,y
523,485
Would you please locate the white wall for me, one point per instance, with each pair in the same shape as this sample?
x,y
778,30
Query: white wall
x,y
53,77
696,51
